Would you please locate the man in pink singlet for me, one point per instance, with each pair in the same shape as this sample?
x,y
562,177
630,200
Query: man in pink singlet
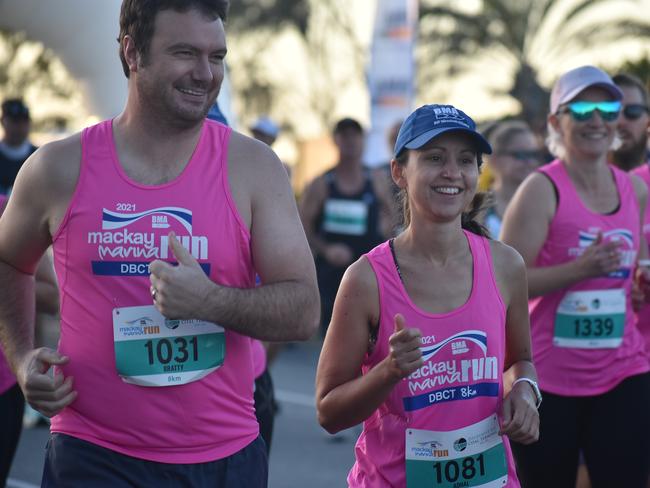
x,y
159,221
632,155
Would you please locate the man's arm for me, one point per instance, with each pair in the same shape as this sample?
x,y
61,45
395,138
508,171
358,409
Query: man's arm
x,y
286,307
41,194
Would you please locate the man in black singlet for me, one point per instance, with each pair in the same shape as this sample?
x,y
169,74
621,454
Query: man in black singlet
x,y
15,147
346,212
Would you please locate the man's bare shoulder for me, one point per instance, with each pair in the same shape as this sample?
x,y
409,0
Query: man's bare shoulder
x,y
256,176
248,154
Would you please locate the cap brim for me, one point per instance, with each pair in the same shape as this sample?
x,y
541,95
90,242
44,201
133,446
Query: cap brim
x,y
613,90
483,145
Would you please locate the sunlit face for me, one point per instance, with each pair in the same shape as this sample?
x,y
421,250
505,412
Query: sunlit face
x,y
518,157
181,77
440,178
633,133
591,138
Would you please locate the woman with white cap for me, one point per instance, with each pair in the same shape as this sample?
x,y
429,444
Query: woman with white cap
x,y
425,325
577,224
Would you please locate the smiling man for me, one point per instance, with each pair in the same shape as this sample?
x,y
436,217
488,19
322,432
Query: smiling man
x,y
633,124
632,155
159,221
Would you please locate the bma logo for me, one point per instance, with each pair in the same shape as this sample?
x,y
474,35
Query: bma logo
x,y
159,222
459,347
115,220
446,111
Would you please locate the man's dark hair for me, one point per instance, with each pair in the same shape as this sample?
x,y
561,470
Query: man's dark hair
x,y
347,123
631,81
137,19
15,108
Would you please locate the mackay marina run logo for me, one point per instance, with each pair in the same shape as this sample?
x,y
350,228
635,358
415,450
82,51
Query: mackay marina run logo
x,y
457,368
128,242
626,250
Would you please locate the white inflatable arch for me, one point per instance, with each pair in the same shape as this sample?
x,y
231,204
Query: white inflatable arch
x,y
83,35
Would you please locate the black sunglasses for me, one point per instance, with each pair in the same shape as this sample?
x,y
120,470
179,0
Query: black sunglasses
x,y
634,110
525,155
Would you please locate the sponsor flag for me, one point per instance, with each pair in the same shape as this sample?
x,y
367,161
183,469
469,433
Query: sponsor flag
x,y
392,73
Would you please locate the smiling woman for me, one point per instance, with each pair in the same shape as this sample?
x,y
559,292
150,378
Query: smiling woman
x,y
577,224
416,347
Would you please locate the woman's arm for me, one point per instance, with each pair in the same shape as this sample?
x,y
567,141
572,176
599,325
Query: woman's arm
x,y
344,397
525,227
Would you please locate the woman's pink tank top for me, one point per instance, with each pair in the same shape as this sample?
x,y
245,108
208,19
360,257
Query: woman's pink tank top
x,y
113,228
585,340
444,417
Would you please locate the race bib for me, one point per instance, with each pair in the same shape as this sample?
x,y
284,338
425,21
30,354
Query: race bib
x,y
349,217
151,350
473,456
590,319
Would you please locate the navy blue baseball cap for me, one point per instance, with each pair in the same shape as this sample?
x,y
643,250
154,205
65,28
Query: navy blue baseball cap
x,y
430,121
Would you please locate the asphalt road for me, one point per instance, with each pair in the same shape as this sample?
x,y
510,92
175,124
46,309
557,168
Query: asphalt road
x,y
302,454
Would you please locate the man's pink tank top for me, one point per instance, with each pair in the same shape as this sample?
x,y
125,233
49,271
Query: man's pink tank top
x,y
113,228
572,371
643,315
460,384
7,378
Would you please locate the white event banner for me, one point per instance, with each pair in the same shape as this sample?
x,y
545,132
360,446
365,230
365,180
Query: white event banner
x,y
391,75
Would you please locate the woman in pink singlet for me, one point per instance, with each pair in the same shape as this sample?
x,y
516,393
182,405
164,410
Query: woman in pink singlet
x,y
577,223
429,342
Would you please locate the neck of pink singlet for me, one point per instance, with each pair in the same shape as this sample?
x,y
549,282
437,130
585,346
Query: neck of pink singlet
x,y
463,352
113,228
579,371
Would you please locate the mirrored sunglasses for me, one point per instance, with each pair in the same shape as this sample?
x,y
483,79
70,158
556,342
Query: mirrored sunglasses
x,y
583,110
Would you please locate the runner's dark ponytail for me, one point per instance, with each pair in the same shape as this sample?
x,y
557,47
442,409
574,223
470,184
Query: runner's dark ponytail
x,y
469,220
